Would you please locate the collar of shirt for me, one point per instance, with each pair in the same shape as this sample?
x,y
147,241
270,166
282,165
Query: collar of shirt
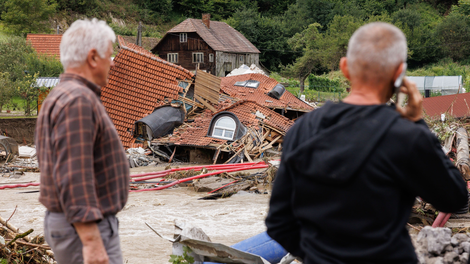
x,y
77,78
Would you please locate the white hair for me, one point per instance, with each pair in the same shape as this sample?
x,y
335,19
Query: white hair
x,y
376,48
83,36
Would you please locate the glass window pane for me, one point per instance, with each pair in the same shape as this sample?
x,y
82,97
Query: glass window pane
x,y
242,84
228,134
226,122
218,132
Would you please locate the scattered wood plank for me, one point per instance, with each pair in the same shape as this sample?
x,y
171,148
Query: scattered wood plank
x,y
206,104
463,161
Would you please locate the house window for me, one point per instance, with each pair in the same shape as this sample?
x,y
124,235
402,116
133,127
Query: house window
x,y
224,128
211,57
242,58
198,57
183,37
172,57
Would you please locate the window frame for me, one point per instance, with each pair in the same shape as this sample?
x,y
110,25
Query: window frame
x,y
242,58
183,37
195,57
169,55
224,129
211,57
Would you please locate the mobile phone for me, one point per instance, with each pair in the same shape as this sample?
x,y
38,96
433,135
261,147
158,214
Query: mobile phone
x,y
398,83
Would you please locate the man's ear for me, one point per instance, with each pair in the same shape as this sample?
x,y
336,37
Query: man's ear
x,y
92,58
398,71
343,65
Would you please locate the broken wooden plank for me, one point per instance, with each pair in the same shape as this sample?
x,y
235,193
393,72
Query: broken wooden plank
x,y
206,104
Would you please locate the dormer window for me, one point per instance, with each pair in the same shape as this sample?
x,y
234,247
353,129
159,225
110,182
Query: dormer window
x,y
183,37
224,128
225,125
249,84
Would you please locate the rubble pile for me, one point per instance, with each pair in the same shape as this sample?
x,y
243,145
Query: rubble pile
x,y
139,157
438,246
17,247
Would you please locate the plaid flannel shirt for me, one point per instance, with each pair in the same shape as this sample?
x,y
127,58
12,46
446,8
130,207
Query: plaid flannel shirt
x,y
84,169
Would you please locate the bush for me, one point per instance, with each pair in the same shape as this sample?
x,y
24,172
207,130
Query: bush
x,y
323,84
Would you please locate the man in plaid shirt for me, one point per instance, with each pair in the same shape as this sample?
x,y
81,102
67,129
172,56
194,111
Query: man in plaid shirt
x,y
84,170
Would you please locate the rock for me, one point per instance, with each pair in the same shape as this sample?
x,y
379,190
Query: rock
x,y
464,257
459,238
449,248
465,246
436,260
437,238
451,257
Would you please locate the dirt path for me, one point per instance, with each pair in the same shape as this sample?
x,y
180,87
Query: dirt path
x,y
226,221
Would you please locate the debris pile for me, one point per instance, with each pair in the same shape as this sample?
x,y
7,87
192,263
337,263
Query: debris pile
x,y
139,157
17,247
437,245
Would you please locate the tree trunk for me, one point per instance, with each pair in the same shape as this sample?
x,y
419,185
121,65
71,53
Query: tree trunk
x,y
302,83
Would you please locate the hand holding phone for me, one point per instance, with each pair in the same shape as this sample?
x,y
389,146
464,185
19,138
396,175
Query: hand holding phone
x,y
413,110
398,83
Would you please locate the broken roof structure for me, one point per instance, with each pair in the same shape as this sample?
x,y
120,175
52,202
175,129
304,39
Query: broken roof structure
x,y
258,89
138,83
456,105
159,104
45,44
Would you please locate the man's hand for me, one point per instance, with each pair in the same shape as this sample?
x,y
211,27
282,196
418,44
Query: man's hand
x,y
414,109
93,248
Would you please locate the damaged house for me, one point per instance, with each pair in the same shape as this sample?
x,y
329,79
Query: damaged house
x,y
211,46
180,116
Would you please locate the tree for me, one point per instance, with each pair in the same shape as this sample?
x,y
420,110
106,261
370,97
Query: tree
x,y
28,16
29,92
454,33
6,90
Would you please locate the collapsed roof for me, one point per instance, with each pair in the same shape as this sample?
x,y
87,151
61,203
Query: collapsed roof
x,y
259,94
138,83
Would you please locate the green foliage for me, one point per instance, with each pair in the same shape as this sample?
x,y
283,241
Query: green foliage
x,y
28,16
80,6
13,53
28,92
323,84
186,258
7,90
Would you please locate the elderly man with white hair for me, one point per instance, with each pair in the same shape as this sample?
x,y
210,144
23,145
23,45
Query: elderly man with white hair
x,y
84,170
350,171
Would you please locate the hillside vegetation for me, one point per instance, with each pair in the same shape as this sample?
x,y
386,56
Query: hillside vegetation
x,y
295,37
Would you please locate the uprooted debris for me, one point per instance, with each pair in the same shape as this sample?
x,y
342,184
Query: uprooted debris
x,y
17,247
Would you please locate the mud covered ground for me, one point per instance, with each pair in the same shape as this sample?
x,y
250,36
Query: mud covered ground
x,y
226,221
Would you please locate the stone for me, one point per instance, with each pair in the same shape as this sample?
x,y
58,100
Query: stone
x,y
451,257
459,238
464,257
435,260
465,246
210,183
437,238
449,248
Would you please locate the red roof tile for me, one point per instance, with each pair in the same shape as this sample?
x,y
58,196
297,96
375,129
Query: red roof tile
x,y
137,85
259,95
195,134
45,44
456,105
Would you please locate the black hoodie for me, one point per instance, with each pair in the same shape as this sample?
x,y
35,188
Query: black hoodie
x,y
348,178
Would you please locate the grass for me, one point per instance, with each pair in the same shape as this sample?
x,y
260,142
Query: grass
x,y
315,96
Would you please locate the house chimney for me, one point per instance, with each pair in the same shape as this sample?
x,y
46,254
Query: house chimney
x,y
206,19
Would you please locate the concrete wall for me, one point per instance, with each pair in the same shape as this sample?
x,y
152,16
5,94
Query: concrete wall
x,y
20,129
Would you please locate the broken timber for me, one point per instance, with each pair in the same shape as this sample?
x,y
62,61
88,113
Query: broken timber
x,y
463,161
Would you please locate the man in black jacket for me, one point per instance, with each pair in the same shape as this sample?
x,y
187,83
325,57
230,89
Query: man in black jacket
x,y
350,171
